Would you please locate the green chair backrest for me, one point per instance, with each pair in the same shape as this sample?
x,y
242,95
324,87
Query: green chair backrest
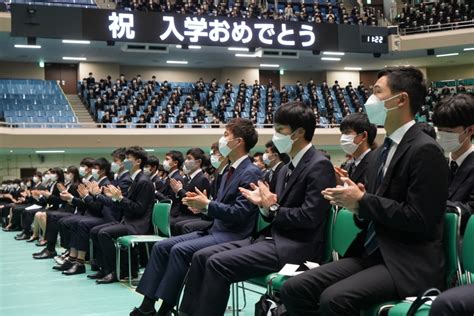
x,y
344,231
327,256
161,218
468,248
452,222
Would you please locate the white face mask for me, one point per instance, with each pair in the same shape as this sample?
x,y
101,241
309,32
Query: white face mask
x,y
82,171
68,177
347,143
215,162
115,167
189,166
376,110
449,141
36,179
95,173
147,171
224,148
283,143
166,165
46,178
266,158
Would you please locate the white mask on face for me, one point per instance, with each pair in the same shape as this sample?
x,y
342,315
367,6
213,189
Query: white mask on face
x,y
266,158
147,171
115,167
166,165
82,171
68,177
53,178
189,166
224,148
95,173
449,141
347,143
283,143
36,179
376,110
46,178
215,162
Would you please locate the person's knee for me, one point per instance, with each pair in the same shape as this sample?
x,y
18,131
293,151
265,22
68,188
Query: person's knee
x,y
440,306
330,298
289,291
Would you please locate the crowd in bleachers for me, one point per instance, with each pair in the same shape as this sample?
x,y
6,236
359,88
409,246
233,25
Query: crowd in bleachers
x,y
308,11
434,13
140,103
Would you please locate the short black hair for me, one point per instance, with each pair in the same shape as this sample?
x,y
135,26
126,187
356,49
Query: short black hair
x,y
428,129
258,154
138,153
198,154
153,161
453,111
59,172
89,162
103,164
359,123
297,115
244,129
283,157
176,156
75,173
409,80
119,153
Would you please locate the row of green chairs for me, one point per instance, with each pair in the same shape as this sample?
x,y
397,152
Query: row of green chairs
x,y
161,227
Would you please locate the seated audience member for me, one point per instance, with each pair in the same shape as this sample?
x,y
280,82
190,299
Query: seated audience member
x,y
172,165
151,169
234,219
297,213
454,118
275,162
196,181
454,302
357,139
258,161
136,208
403,203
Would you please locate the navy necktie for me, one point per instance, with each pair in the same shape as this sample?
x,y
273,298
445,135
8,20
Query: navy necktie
x,y
371,244
291,167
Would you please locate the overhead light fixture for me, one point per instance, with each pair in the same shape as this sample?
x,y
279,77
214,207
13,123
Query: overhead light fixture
x,y
41,63
76,42
49,151
194,47
447,55
150,150
75,58
270,65
334,53
27,46
353,68
179,62
238,49
246,55
331,58
468,48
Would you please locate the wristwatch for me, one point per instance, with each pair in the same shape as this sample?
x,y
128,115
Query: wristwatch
x,y
274,208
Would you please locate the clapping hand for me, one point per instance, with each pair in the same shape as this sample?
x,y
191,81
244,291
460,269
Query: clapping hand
x,y
93,188
347,196
197,200
113,192
340,173
82,190
176,185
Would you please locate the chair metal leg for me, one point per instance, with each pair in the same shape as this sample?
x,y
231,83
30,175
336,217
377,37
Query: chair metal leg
x,y
91,250
117,260
129,266
245,297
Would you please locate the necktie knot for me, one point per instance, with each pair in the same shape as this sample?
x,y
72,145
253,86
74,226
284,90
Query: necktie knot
x,y
387,143
453,166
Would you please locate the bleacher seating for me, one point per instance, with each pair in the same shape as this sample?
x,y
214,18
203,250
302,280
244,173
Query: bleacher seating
x,y
66,3
25,102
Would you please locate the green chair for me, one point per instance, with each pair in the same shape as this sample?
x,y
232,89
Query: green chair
x,y
161,225
452,222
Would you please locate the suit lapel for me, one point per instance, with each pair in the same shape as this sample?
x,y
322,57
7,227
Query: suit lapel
x,y
463,172
295,174
400,151
234,179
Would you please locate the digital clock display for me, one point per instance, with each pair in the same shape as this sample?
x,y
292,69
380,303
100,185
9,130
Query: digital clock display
x,y
374,39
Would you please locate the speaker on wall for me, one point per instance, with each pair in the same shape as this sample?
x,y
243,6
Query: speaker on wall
x,y
430,52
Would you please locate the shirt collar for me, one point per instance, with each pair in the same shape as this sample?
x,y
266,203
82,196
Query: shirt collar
x,y
100,180
358,160
300,155
172,173
237,163
276,166
134,175
194,174
463,157
122,173
397,136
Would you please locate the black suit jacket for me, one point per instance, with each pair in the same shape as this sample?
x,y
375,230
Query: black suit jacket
x,y
273,182
408,212
94,206
461,189
359,173
199,181
300,224
166,192
137,205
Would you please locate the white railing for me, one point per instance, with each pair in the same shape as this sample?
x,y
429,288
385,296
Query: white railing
x,y
436,28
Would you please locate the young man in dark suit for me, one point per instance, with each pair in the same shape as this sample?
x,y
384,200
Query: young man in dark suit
x,y
173,162
275,162
357,139
151,170
195,161
136,208
454,117
234,219
297,213
400,253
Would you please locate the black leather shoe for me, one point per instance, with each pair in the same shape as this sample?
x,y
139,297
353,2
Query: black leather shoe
x,y
137,312
45,254
77,268
96,276
22,236
109,278
39,252
31,239
63,267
